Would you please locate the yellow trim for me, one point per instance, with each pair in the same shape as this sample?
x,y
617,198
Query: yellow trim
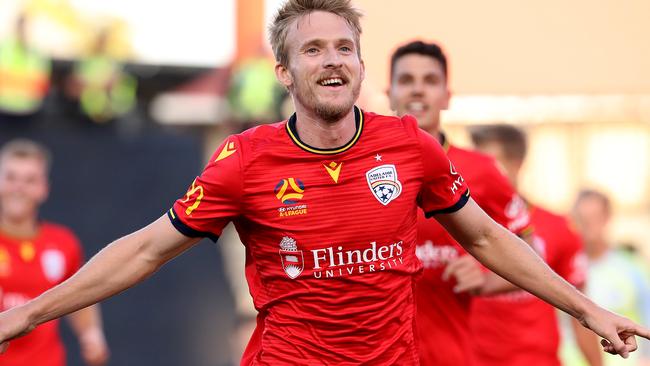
x,y
297,141
171,212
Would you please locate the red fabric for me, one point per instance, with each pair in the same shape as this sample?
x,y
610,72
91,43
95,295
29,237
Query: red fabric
x,y
517,328
25,273
354,265
443,316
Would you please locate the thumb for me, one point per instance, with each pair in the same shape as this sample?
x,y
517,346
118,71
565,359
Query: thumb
x,y
614,344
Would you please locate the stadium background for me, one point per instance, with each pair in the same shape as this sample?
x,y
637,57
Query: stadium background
x,y
573,74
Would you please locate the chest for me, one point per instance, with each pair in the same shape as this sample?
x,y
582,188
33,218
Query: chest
x,y
30,267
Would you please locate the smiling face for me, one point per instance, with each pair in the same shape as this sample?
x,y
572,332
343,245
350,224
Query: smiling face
x,y
325,71
23,186
419,88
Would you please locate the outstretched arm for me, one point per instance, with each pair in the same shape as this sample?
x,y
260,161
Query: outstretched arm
x,y
514,260
120,265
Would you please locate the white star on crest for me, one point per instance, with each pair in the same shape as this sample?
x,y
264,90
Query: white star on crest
x,y
378,157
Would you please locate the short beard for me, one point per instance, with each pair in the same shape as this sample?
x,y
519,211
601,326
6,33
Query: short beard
x,y
332,113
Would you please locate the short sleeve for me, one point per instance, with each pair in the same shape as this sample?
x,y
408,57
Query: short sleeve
x,y
571,263
213,199
443,188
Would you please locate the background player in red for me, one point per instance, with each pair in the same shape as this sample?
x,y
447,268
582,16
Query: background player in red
x,y
419,87
330,259
36,255
506,324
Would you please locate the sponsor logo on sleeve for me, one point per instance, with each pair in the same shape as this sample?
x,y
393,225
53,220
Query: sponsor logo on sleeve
x,y
458,180
384,184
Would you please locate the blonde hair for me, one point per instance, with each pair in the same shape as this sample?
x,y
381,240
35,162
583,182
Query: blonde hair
x,y
294,9
24,148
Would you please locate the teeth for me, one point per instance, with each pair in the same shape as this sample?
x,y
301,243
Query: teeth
x,y
415,106
332,81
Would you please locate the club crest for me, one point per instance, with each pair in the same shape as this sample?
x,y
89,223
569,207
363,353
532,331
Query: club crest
x,y
292,260
383,183
53,264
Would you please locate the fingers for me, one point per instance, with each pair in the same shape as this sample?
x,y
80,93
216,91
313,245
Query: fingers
x,y
641,331
466,272
457,265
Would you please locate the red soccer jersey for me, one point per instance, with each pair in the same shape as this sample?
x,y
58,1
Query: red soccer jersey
x,y
517,328
29,267
443,315
329,235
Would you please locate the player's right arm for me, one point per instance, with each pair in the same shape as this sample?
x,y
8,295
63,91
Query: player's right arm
x,y
212,200
120,265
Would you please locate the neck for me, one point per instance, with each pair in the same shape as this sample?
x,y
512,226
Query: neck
x,y
597,249
19,228
325,135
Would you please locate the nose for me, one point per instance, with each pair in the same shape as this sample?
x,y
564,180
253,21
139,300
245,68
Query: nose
x,y
332,59
417,88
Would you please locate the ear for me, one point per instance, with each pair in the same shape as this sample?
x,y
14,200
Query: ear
x,y
391,103
283,75
448,95
363,70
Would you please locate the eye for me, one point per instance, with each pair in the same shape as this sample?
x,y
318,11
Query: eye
x,y
311,51
345,49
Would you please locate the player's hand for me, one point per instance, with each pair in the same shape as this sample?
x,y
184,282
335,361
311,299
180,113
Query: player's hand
x,y
618,332
14,323
94,349
467,272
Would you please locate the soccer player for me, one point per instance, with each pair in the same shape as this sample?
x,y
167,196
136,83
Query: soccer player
x,y
503,325
326,204
36,255
419,87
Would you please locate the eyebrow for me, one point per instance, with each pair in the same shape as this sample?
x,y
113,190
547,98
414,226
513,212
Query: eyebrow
x,y
320,42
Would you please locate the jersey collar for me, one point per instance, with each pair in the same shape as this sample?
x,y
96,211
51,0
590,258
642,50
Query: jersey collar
x,y
442,139
293,134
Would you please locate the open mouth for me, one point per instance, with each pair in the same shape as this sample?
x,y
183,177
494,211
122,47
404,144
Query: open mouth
x,y
416,107
332,82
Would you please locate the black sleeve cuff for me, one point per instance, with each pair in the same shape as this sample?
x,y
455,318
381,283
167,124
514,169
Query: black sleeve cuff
x,y
455,207
186,230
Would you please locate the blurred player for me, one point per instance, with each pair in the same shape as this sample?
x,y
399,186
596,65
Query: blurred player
x,y
36,255
419,87
615,280
326,204
506,324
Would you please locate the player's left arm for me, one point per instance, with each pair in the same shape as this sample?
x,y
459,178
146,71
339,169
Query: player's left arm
x,y
87,326
514,260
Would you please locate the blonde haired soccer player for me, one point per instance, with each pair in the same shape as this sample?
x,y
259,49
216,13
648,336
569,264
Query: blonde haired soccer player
x,y
326,206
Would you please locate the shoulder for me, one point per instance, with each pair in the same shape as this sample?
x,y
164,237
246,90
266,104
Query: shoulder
x,y
551,218
60,235
479,162
406,123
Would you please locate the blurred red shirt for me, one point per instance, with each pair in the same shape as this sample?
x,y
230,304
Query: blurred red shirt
x,y
517,328
29,267
442,314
